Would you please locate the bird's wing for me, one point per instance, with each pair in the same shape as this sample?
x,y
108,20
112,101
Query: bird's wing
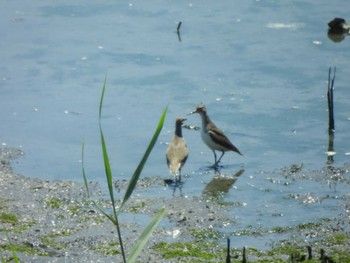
x,y
219,137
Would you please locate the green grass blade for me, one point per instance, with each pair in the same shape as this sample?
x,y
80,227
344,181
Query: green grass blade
x,y
132,184
136,175
111,218
107,166
108,171
146,234
83,170
114,217
101,99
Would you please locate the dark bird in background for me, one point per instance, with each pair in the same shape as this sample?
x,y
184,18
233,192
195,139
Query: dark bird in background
x,y
338,29
338,26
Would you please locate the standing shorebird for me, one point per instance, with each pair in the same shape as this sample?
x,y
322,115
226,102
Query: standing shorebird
x,y
177,152
213,136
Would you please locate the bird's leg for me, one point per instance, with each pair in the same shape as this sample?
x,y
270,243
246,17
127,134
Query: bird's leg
x,y
217,163
177,179
180,184
214,158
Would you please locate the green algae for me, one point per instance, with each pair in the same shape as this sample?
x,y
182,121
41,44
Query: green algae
x,y
338,239
54,203
136,207
202,251
7,218
109,249
22,248
205,233
11,223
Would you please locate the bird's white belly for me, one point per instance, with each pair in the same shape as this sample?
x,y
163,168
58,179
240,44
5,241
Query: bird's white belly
x,y
211,144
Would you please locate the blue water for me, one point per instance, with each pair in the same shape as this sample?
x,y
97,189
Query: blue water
x,y
261,68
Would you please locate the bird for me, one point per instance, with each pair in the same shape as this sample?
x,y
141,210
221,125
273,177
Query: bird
x,y
212,136
177,151
338,26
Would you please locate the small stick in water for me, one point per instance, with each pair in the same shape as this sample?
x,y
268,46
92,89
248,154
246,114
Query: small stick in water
x,y
244,259
330,101
178,31
178,27
228,256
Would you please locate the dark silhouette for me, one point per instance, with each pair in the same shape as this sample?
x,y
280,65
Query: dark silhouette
x,y
228,256
309,252
331,126
330,100
324,258
338,29
178,31
244,259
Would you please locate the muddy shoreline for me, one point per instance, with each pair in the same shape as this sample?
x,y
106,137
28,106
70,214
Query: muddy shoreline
x,y
53,221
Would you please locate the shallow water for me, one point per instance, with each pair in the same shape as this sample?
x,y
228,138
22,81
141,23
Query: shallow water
x,y
261,68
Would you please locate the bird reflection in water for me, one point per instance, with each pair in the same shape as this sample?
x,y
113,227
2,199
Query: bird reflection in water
x,y
221,183
174,186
